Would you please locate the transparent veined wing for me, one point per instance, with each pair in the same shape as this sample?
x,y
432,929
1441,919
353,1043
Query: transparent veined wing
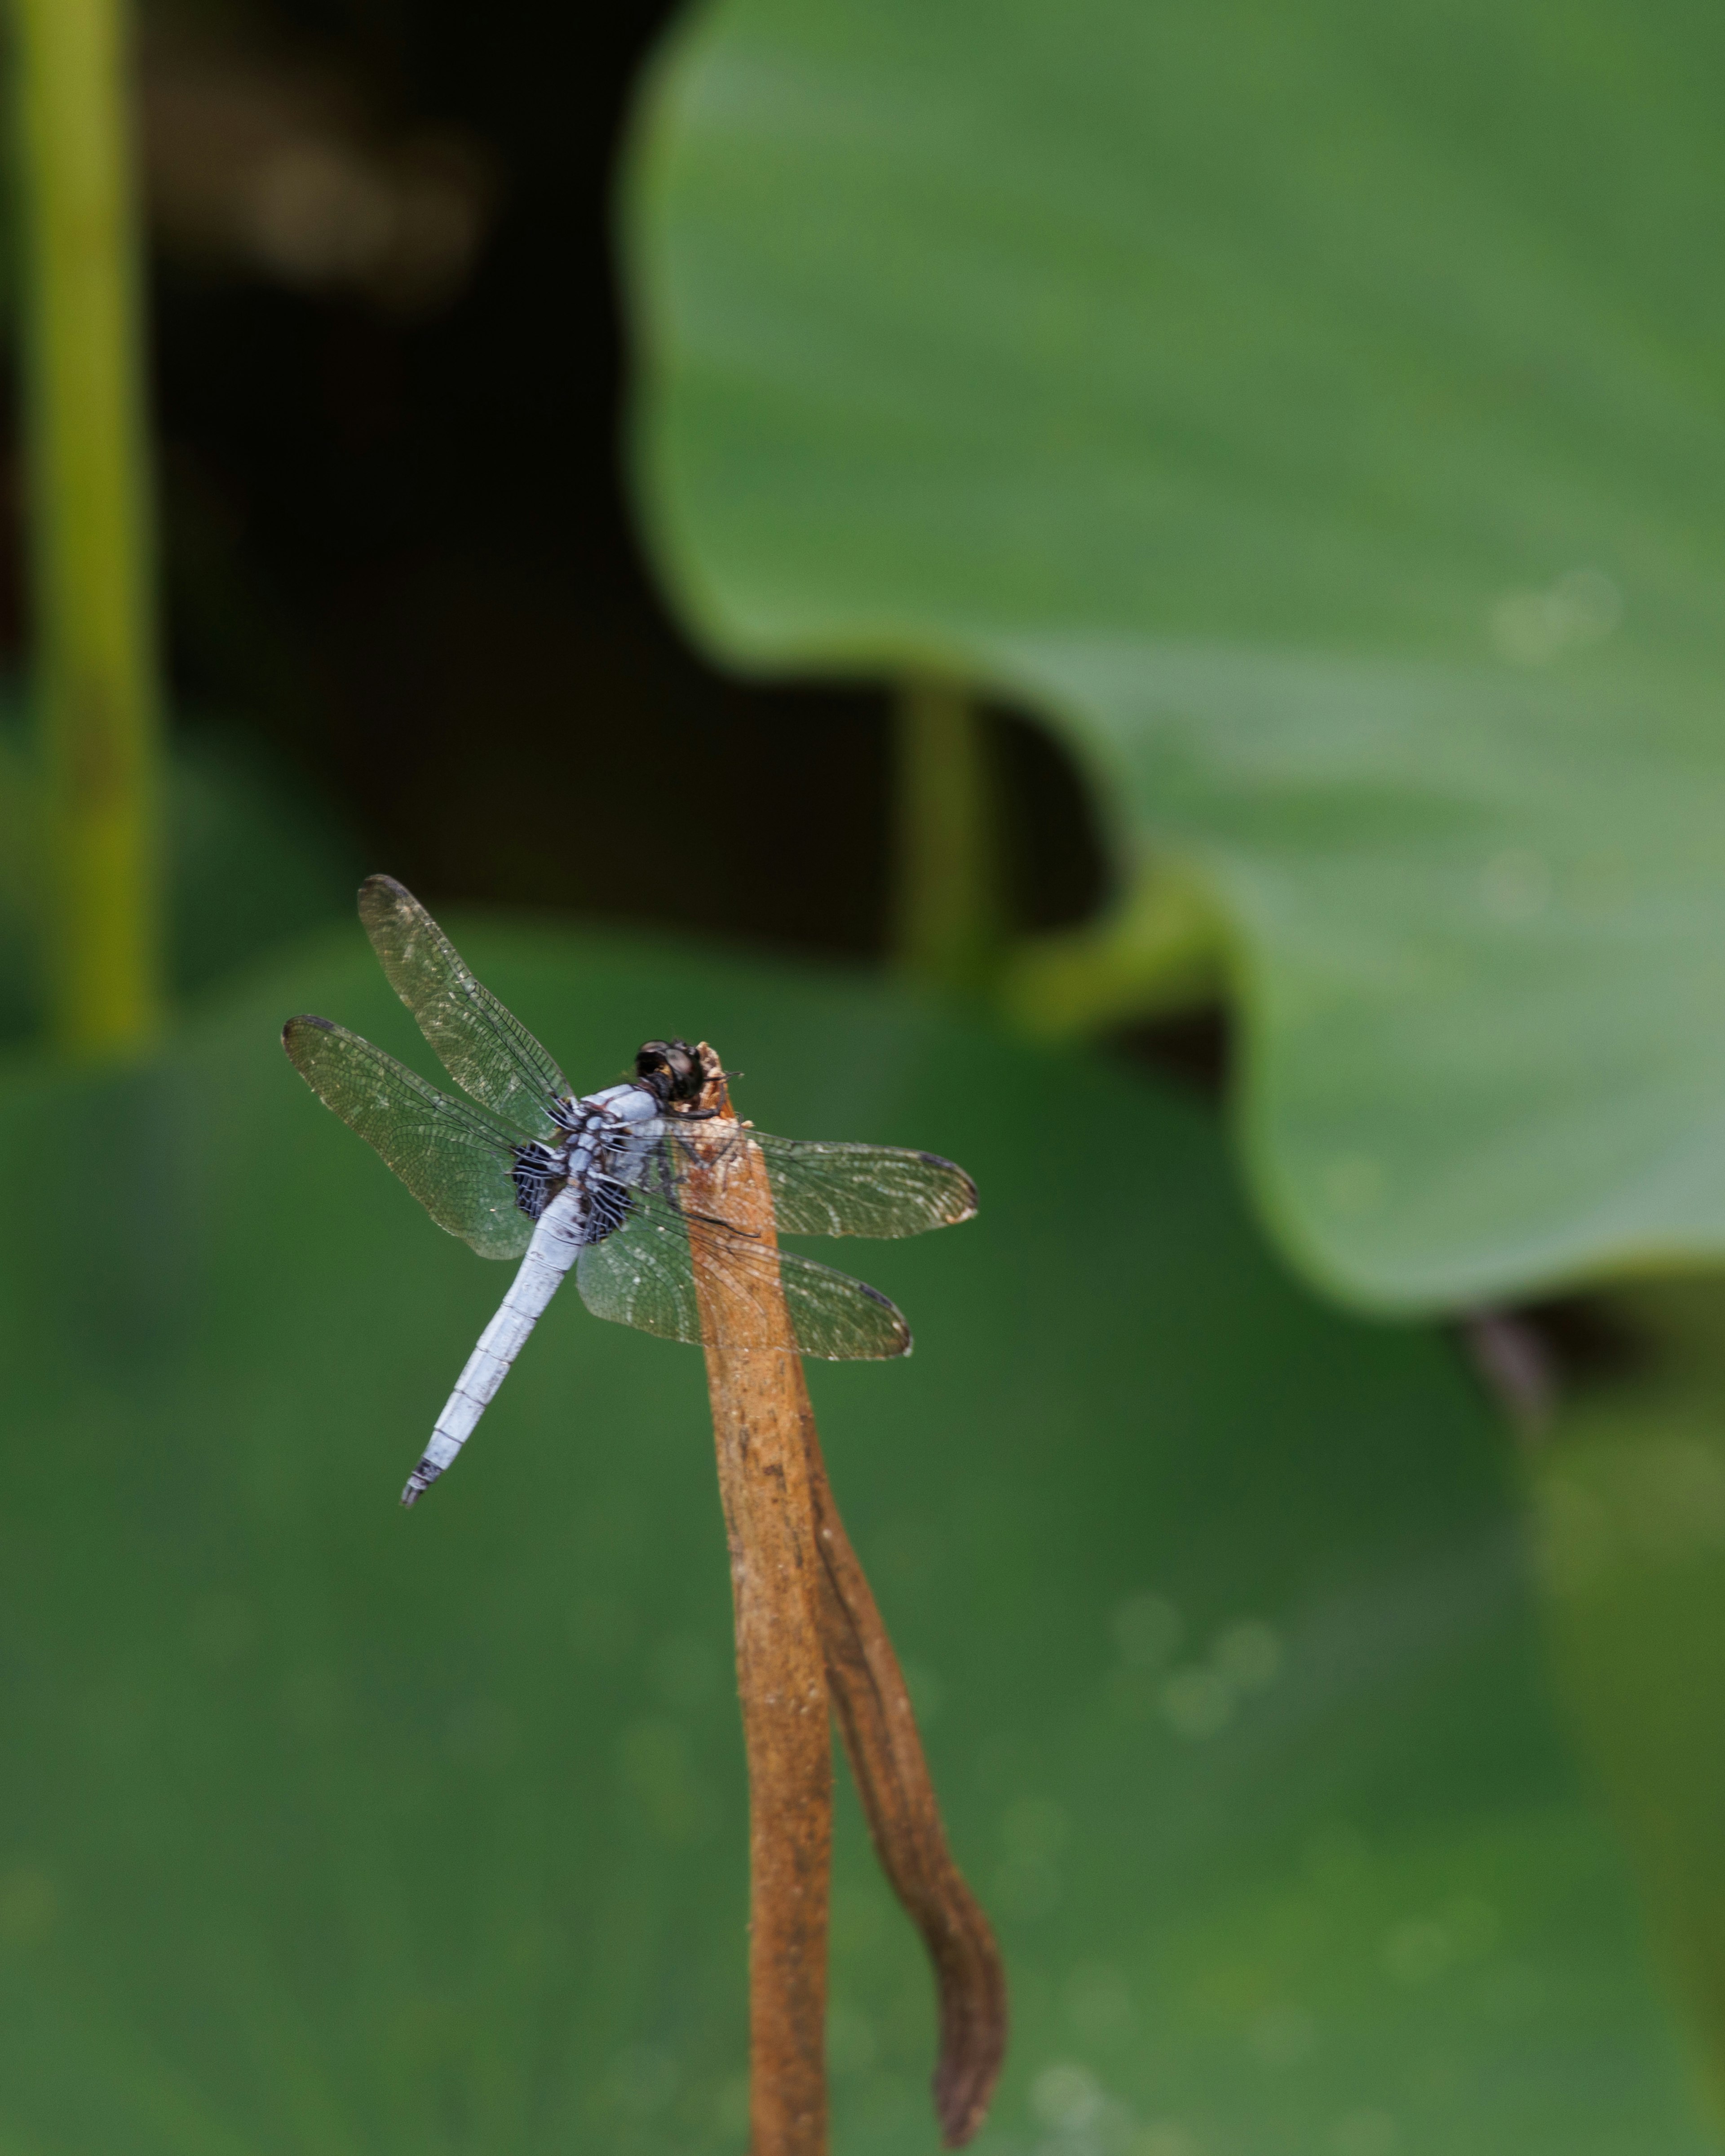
x,y
458,1162
484,1048
824,1188
643,1273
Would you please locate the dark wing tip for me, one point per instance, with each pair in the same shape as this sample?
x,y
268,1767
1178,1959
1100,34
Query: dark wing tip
x,y
296,1026
965,1193
381,895
901,1327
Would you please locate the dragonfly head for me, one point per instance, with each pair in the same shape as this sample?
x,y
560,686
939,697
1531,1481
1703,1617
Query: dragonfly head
x,y
671,1071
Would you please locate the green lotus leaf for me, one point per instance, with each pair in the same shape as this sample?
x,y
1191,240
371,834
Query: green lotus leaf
x,y
328,1827
1315,416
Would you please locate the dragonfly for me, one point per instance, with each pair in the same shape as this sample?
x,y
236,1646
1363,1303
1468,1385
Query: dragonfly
x,y
518,1166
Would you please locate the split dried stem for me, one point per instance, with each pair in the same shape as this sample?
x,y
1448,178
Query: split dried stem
x,y
872,1705
808,1629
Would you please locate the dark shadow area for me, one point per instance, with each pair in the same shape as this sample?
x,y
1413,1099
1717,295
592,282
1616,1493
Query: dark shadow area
x,y
399,550
1530,1357
1194,1048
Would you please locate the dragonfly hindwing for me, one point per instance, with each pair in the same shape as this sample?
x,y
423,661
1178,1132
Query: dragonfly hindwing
x,y
643,1275
537,1172
458,1162
608,1205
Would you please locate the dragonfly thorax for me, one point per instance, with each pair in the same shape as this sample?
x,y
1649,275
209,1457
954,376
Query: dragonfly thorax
x,y
605,1140
624,1104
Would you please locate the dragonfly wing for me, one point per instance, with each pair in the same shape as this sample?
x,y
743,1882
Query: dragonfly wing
x,y
458,1162
484,1048
643,1275
820,1189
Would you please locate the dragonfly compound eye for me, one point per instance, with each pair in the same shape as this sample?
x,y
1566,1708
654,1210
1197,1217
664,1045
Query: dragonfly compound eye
x,y
669,1069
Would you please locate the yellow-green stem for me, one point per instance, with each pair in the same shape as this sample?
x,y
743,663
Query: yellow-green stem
x,y
948,870
1159,949
95,662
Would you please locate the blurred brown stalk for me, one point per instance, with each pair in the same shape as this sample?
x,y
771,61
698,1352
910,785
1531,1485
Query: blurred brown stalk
x,y
809,1636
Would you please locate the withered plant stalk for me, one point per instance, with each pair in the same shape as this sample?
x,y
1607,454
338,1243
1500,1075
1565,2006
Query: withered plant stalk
x,y
809,1637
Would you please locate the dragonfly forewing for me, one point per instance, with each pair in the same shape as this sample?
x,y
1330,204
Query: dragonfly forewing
x,y
826,1189
482,1044
822,1188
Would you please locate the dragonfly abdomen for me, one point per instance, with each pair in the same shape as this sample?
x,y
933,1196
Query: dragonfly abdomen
x,y
557,1243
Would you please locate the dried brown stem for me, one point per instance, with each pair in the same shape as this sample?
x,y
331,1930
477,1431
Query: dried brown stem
x,y
759,1405
874,1712
807,1627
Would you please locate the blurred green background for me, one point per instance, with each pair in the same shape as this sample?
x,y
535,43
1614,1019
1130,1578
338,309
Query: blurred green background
x,y
1127,593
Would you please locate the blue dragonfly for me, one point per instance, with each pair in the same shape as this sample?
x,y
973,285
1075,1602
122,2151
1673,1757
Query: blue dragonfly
x,y
519,1167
